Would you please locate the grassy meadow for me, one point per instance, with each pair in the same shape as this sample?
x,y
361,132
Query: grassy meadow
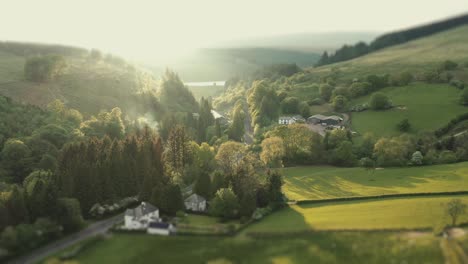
x,y
389,213
375,247
427,107
321,182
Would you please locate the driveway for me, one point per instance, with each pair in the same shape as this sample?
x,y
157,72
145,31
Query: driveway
x,y
94,229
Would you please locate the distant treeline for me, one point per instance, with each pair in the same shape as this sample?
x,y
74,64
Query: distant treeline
x,y
348,52
33,49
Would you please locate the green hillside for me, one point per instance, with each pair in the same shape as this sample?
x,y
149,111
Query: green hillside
x,y
420,103
415,55
87,84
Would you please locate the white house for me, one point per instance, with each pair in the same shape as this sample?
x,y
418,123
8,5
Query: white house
x,y
160,228
288,120
139,218
195,203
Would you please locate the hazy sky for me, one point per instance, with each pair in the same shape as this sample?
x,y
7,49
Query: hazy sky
x,y
134,28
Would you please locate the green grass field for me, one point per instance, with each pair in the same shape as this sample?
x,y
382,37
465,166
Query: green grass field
x,y
345,247
414,56
390,213
321,182
427,107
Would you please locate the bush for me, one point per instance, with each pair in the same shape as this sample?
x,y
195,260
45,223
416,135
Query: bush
x,y
443,130
339,102
447,156
448,65
316,101
43,68
380,101
457,84
464,97
359,108
404,125
70,214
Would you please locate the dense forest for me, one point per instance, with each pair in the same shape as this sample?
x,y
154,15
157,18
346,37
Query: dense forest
x,y
348,52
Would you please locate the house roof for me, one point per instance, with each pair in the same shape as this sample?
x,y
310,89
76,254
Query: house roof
x,y
285,117
143,209
159,225
195,198
216,115
322,117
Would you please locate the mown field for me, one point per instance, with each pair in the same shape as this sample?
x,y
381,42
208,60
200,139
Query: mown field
x,y
389,213
321,182
427,107
343,247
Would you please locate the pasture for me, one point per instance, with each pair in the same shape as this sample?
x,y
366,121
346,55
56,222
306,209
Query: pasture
x,y
322,182
323,247
426,106
388,213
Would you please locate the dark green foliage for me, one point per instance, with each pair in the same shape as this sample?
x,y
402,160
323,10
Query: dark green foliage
x,y
326,91
203,185
174,95
343,155
225,204
16,159
448,65
263,104
464,97
446,128
339,103
170,200
404,125
275,71
273,187
106,123
236,129
177,151
379,101
44,68
290,105
69,214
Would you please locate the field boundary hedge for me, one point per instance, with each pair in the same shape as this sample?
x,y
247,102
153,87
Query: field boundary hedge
x,y
383,196
308,232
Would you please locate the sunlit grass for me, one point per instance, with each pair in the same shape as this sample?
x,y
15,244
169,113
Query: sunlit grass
x,y
320,182
394,213
427,107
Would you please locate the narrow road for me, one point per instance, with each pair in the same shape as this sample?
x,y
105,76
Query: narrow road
x,y
94,229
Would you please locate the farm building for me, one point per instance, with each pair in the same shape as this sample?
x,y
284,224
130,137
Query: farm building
x,y
327,120
195,203
160,228
288,120
217,116
138,218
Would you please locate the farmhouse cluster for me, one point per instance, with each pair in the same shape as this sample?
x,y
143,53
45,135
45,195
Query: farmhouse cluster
x,y
323,120
146,216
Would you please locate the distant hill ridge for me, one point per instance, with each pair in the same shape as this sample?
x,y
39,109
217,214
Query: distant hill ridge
x,y
348,52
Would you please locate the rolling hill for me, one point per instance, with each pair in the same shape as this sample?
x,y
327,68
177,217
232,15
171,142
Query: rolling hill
x,y
415,56
87,84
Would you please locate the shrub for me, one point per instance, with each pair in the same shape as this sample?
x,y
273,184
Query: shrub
x,y
379,101
404,125
448,65
457,84
447,156
316,101
464,97
339,102
359,108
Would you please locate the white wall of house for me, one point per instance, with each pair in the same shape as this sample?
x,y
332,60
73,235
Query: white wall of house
x,y
197,207
158,231
142,222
